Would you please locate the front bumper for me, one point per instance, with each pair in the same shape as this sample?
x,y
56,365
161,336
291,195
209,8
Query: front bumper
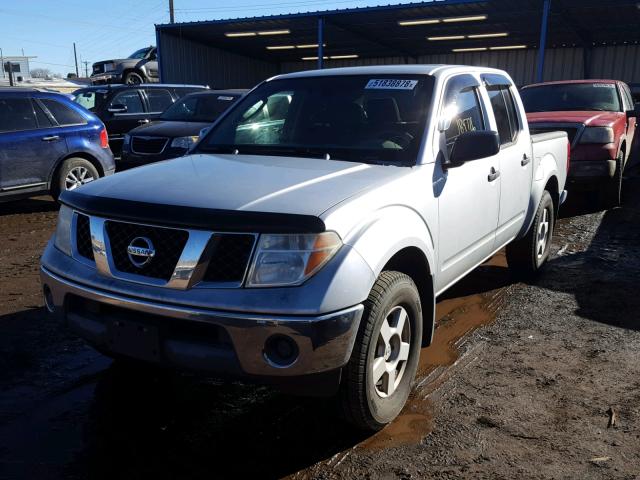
x,y
108,77
226,343
586,171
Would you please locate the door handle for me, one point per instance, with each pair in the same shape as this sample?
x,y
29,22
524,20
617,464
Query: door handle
x,y
144,120
525,160
493,174
51,138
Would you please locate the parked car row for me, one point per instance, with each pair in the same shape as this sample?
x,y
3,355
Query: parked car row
x,y
50,142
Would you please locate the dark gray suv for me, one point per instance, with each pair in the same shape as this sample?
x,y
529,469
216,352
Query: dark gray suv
x,y
140,67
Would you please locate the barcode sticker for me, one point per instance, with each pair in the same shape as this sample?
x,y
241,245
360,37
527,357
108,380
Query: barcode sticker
x,y
604,85
391,84
226,99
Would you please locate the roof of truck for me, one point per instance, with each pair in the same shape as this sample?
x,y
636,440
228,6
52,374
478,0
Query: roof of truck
x,y
412,69
561,82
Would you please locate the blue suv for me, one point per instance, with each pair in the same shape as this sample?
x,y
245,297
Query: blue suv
x,y
48,144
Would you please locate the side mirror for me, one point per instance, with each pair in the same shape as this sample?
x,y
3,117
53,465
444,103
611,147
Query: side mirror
x,y
474,146
118,108
635,112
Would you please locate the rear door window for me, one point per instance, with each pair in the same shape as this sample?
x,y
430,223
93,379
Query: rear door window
x,y
130,99
159,100
44,120
16,114
63,114
506,114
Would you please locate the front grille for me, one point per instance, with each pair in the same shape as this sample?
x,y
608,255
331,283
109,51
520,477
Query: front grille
x,y
168,244
148,145
230,257
83,237
571,132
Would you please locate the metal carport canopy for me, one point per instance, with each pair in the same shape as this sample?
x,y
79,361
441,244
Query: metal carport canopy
x,y
414,29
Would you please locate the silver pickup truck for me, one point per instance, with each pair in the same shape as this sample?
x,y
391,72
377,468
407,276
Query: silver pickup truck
x,y
305,238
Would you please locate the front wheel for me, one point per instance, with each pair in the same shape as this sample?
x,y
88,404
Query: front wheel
x,y
612,192
378,378
133,78
527,256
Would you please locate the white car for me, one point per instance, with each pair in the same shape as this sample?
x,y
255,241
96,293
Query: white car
x,y
305,238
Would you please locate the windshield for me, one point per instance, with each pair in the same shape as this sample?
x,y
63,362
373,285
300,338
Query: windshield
x,y
199,108
90,99
363,118
140,54
564,97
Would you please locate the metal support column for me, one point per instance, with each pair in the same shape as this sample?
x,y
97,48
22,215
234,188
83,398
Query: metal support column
x,y
543,40
320,43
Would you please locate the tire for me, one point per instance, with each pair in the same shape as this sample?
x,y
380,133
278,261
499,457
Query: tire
x,y
366,403
612,193
73,168
133,78
527,256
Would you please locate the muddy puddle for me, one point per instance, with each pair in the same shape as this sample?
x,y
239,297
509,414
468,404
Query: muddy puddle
x,y
471,304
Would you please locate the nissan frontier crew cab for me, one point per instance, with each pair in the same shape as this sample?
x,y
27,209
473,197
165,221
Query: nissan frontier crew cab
x,y
304,239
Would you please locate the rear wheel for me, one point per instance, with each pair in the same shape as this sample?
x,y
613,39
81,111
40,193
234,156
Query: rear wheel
x,y
527,256
73,173
378,378
612,194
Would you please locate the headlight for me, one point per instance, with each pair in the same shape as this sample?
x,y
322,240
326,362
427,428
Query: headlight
x,y
284,260
62,239
600,135
127,139
184,142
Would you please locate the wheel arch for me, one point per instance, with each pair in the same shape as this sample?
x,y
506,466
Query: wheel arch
x,y
409,249
413,262
86,156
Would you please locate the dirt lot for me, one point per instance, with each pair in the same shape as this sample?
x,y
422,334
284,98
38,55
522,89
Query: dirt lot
x,y
523,381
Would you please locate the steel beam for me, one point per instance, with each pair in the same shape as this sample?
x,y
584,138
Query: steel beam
x,y
543,40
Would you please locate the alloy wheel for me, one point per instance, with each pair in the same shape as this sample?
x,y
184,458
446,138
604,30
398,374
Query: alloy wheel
x,y
391,352
77,177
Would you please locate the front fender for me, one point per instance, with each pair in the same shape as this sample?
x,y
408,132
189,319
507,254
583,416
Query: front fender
x,y
387,231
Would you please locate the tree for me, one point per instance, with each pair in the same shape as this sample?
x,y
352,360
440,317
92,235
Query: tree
x,y
40,73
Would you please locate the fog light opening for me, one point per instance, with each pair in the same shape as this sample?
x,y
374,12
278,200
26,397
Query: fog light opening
x,y
48,299
280,351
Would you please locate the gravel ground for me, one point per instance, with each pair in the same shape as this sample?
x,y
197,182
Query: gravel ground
x,y
524,381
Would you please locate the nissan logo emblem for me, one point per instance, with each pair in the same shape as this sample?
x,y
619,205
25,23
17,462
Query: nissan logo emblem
x,y
140,251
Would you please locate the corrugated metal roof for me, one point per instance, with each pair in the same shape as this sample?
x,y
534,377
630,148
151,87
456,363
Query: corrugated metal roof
x,y
374,32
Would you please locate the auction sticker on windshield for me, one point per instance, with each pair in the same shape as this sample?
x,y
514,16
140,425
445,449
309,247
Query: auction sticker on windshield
x,y
391,84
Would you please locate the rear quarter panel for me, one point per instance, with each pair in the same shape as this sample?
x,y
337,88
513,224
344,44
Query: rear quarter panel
x,y
549,153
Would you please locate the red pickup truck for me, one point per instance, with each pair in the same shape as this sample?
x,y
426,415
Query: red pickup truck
x,y
600,119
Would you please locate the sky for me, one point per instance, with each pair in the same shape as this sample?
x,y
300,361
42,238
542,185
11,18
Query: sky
x,y
48,28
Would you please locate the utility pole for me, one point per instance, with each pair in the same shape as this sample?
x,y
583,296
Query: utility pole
x,y
75,56
171,16
2,62
86,69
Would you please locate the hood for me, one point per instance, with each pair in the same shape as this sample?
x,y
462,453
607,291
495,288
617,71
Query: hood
x,y
589,118
249,183
170,129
